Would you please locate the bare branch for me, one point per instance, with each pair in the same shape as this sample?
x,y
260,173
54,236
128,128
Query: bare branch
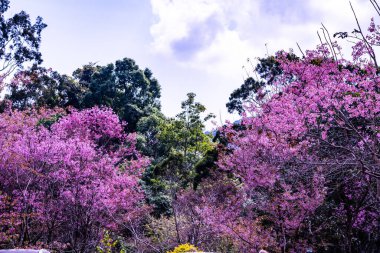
x,y
300,50
368,46
332,46
319,36
375,6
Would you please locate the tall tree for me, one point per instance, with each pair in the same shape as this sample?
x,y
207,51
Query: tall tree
x,y
306,163
19,40
254,88
66,178
182,145
130,91
41,87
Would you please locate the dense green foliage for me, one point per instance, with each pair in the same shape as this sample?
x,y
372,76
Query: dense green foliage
x,y
179,145
40,87
19,41
131,92
254,89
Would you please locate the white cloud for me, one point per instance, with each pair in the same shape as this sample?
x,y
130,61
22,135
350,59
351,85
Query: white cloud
x,y
208,41
218,34
175,19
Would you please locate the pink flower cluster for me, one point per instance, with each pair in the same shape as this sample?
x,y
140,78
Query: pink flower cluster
x,y
67,182
315,133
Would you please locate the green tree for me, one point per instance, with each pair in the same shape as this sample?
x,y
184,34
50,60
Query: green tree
x,y
267,70
19,40
148,128
182,144
98,83
40,87
131,92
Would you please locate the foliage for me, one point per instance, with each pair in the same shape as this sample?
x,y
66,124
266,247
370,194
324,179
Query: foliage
x,y
19,40
40,87
180,145
148,130
130,91
298,172
267,70
107,244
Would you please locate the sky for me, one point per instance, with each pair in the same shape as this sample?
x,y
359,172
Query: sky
x,y
195,46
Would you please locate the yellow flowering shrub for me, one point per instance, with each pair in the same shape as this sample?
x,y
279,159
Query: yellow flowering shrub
x,y
107,244
184,248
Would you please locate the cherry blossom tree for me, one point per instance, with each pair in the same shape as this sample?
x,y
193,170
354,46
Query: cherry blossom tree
x,y
65,178
304,161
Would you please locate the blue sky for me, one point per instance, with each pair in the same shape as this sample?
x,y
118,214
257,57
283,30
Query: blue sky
x,y
190,45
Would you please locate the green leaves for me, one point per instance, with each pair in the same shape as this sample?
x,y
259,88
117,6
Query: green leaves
x,y
40,87
131,92
266,72
19,40
180,150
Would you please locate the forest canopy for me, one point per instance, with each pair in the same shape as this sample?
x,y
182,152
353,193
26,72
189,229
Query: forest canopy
x,y
90,163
